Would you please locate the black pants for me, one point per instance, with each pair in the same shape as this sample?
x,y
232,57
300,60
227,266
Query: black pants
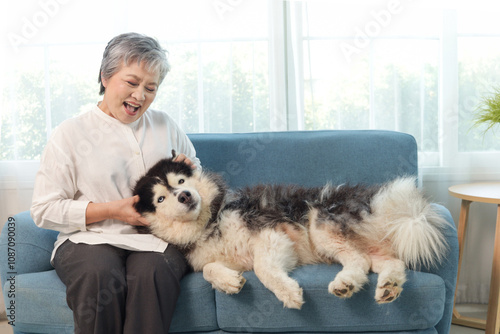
x,y
112,290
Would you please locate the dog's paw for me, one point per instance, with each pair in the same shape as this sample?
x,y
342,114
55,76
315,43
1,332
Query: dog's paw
x,y
231,283
346,283
291,295
293,298
223,278
341,289
387,292
286,289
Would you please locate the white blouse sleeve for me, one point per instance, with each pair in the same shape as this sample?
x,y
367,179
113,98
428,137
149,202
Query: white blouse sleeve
x,y
54,205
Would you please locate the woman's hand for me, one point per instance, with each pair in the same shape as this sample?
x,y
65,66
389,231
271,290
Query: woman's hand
x,y
122,209
183,158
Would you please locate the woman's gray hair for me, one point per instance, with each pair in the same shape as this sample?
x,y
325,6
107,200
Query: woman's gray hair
x,y
130,47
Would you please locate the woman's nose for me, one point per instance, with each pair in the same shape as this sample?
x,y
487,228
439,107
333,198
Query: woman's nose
x,y
139,94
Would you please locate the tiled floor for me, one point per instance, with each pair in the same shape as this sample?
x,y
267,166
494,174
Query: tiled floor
x,y
469,310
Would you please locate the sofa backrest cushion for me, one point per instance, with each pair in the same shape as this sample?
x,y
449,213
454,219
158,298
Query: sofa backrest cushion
x,y
308,158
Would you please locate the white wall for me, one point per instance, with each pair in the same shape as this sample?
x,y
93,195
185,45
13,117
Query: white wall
x,y
13,201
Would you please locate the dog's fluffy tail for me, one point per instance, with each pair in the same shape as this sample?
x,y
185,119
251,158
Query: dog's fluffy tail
x,y
410,223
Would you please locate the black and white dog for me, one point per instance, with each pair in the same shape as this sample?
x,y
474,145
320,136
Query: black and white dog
x,y
272,229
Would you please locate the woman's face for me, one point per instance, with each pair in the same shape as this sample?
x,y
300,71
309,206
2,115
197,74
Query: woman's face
x,y
129,92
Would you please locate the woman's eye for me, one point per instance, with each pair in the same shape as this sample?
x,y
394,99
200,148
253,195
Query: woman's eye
x,y
132,84
161,199
181,181
151,90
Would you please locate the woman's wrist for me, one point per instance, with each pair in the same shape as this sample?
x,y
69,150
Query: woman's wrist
x,y
97,212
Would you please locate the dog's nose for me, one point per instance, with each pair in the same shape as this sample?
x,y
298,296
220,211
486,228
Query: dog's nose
x,y
184,197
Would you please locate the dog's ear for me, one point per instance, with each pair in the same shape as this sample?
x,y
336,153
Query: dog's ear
x,y
174,154
144,188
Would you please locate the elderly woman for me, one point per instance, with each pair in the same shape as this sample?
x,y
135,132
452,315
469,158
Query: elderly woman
x,y
118,281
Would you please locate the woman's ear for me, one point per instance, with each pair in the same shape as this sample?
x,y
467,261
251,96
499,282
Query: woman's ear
x,y
104,81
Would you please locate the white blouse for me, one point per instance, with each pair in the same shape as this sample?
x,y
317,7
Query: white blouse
x,y
96,158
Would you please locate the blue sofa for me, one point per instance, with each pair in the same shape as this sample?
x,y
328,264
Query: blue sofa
x,y
35,297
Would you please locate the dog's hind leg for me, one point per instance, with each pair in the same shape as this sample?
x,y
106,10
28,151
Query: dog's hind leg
x,y
354,273
337,247
391,277
274,257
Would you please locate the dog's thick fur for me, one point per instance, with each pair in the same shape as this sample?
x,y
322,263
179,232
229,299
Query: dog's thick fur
x,y
272,229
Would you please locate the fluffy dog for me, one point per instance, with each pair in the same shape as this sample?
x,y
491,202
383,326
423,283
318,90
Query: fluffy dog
x,y
272,229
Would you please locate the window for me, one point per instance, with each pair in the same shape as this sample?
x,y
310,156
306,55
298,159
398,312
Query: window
x,y
416,67
373,67
238,66
478,50
219,52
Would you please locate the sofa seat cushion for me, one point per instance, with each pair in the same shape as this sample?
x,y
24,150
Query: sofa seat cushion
x,y
47,311
256,309
195,308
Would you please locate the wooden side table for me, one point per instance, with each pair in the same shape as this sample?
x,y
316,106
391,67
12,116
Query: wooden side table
x,y
485,192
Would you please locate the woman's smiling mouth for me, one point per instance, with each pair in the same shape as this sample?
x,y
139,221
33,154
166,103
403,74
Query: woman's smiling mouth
x,y
131,108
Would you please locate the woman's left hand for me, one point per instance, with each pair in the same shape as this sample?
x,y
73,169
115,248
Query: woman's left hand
x,y
183,158
124,210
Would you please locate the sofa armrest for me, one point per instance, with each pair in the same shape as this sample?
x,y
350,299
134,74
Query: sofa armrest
x,y
447,270
25,247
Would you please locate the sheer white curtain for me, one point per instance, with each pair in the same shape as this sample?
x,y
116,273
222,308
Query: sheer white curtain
x,y
239,66
419,67
51,53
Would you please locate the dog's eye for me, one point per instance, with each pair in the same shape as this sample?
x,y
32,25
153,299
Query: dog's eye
x,y
161,199
181,181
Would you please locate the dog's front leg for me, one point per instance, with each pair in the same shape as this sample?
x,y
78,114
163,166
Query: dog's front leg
x,y
223,278
274,256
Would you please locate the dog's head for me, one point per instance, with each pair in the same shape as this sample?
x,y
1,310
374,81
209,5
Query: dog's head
x,y
178,201
169,189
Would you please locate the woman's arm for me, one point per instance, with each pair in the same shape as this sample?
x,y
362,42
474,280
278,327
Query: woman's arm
x,y
121,210
54,205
